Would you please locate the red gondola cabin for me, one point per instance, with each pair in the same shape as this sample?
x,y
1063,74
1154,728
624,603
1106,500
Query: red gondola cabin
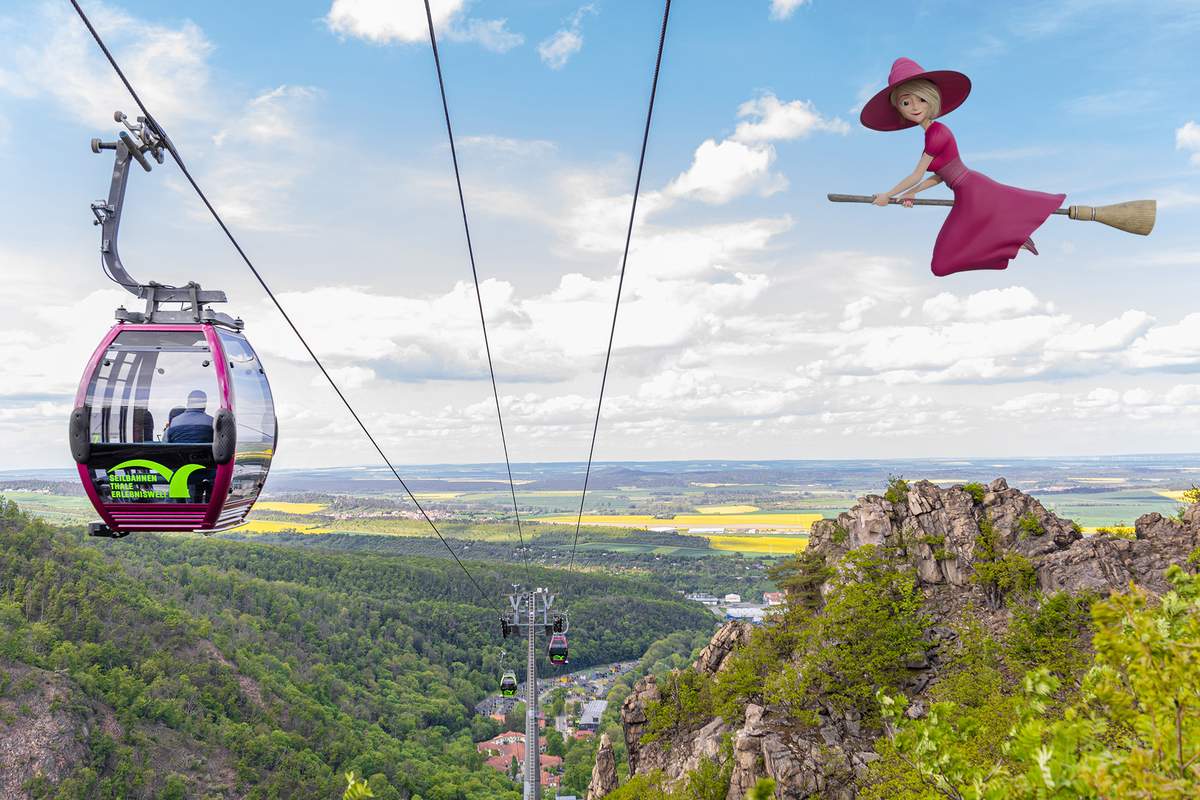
x,y
173,428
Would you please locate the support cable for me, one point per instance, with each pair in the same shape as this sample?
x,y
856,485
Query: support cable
x,y
662,37
187,174
462,204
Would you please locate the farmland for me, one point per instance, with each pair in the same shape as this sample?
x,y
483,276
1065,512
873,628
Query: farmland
x,y
753,521
643,510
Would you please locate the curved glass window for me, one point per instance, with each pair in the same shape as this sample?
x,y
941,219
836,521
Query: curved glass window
x,y
254,409
152,401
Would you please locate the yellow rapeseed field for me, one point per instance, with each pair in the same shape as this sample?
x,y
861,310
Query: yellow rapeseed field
x,y
727,509
271,526
759,544
289,508
1172,495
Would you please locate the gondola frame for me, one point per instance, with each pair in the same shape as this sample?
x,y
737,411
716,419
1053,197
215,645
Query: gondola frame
x,y
221,511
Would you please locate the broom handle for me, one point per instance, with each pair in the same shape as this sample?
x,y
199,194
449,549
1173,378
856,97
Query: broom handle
x,y
866,198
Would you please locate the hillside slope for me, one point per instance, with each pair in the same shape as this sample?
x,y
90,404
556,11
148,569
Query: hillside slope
x,y
182,667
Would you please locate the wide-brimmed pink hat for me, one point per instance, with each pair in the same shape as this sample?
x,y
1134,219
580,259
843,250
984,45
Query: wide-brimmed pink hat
x,y
881,115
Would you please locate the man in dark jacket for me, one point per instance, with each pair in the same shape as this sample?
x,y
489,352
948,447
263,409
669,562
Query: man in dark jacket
x,y
193,425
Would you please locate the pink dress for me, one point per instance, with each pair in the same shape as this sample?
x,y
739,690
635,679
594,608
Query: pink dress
x,y
989,220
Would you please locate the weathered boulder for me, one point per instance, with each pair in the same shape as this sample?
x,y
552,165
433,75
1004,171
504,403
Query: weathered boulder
x,y
675,755
714,657
1104,563
604,773
634,719
821,762
937,529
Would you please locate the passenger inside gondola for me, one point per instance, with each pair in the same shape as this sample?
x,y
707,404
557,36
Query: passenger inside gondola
x,y
193,425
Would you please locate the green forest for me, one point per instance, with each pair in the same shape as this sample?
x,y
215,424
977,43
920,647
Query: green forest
x,y
227,668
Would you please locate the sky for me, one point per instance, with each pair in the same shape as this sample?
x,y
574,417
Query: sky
x,y
759,321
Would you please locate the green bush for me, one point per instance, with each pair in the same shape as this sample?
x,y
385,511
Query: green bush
x,y
976,490
870,624
1028,525
801,578
897,490
1131,729
1050,634
685,699
998,573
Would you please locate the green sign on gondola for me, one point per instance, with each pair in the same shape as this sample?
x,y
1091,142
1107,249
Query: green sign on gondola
x,y
126,485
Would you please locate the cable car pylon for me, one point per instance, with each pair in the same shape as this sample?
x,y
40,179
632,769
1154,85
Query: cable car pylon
x,y
530,613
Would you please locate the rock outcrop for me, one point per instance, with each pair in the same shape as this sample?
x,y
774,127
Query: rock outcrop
x,y
683,752
1104,563
937,531
45,727
604,773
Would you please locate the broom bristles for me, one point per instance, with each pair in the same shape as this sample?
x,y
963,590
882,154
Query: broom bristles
x,y
1135,216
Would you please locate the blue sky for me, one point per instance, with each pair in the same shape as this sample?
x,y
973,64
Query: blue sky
x,y
761,320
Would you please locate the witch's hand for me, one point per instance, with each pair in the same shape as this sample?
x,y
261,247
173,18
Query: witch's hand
x,y
906,200
881,200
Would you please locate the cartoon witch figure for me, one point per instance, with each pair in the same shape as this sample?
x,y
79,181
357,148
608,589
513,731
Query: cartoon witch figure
x,y
989,222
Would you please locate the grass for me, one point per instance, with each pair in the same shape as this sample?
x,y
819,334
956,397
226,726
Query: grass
x,y
54,508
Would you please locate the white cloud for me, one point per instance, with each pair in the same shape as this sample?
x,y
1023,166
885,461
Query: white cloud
x,y
723,170
1101,406
555,50
771,120
783,9
509,146
1113,335
1169,346
387,22
852,315
51,53
259,161
542,337
491,34
274,117
1188,138
1014,301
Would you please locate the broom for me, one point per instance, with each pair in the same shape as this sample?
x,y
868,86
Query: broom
x,y
1135,216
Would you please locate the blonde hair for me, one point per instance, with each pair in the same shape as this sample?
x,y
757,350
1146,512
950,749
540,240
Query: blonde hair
x,y
926,90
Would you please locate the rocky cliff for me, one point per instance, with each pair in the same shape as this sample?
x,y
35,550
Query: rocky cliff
x,y
938,532
604,773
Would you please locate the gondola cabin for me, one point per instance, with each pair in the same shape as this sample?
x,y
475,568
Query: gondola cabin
x,y
558,649
173,428
508,684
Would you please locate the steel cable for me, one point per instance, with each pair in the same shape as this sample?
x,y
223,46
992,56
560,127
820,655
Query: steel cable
x,y
462,203
662,37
